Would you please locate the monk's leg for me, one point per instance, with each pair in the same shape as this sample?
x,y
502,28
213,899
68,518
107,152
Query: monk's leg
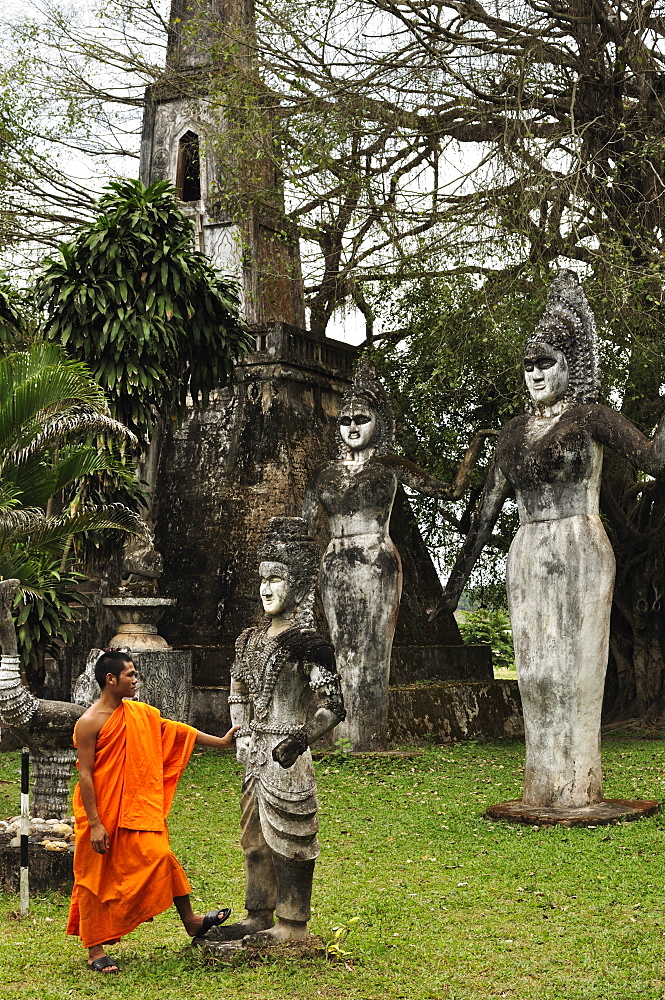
x,y
191,921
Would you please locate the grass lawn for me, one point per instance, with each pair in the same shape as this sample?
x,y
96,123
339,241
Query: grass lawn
x,y
450,906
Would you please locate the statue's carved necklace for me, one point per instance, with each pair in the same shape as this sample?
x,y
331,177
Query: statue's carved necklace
x,y
265,657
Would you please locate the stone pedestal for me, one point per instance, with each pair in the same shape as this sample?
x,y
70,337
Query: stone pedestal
x,y
49,870
138,617
598,814
165,673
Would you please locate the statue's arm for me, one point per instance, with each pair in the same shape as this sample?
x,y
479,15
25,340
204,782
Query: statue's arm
x,y
616,431
496,491
240,700
240,710
325,683
418,479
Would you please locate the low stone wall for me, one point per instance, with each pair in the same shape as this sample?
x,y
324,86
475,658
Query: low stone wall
x,y
47,869
411,664
443,712
455,710
209,710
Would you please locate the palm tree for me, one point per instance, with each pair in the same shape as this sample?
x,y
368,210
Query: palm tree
x,y
50,410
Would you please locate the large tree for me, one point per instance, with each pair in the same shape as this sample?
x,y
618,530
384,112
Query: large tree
x,y
421,143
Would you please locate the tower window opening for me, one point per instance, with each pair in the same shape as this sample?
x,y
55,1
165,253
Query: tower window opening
x,y
188,178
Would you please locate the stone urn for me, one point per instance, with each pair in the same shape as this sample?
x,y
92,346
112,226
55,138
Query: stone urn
x,y
138,617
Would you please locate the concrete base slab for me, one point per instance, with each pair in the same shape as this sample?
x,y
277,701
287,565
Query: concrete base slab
x,y
599,814
454,710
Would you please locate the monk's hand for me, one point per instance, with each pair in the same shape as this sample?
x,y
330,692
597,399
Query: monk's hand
x,y
99,838
227,740
287,752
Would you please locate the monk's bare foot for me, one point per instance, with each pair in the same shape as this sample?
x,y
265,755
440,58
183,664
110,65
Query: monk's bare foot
x,y
99,961
256,920
284,930
197,926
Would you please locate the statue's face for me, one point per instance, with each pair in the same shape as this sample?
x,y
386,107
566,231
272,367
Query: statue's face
x,y
276,589
357,424
546,374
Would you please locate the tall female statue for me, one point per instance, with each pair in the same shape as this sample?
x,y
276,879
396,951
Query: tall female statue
x,y
560,571
361,572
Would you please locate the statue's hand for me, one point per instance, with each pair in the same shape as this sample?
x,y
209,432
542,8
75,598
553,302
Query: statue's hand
x,y
287,752
446,605
242,746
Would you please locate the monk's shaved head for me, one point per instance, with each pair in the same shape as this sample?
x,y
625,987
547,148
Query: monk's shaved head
x,y
111,662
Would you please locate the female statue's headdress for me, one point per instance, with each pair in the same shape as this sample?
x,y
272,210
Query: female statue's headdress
x,y
367,389
287,540
568,325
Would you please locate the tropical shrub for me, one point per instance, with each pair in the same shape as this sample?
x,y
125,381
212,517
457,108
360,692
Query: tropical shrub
x,y
130,296
51,411
490,628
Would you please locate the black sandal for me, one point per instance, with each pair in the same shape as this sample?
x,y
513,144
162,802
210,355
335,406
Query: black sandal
x,y
213,918
104,962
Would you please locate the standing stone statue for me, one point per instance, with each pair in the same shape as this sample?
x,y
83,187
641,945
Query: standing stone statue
x,y
279,668
361,572
560,572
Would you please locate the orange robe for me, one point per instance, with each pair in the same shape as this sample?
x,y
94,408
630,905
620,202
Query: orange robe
x,y
139,758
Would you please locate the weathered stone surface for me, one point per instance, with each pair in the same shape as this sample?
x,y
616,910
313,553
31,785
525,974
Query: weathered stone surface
x,y
209,710
361,571
596,814
246,458
48,869
138,617
560,570
454,711
166,681
411,664
442,712
280,668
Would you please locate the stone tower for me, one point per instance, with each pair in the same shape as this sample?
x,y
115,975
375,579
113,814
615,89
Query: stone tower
x,y
250,454
207,128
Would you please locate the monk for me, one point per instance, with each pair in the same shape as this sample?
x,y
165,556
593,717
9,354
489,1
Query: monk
x,y
130,761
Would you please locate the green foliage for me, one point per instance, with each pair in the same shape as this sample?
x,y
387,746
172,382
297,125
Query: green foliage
x,y
130,296
490,628
46,604
11,320
50,411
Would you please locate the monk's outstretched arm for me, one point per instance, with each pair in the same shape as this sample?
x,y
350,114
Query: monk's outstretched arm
x,y
86,738
216,742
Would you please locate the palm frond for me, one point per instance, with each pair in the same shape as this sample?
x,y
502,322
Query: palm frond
x,y
19,522
111,516
63,427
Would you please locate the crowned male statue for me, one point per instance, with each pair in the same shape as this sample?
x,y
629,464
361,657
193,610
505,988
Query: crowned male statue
x,y
279,667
